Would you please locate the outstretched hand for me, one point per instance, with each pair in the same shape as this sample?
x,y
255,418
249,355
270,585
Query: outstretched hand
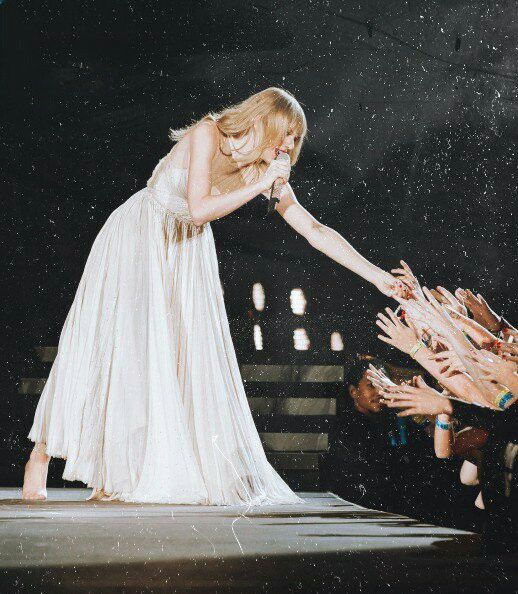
x,y
417,399
495,369
452,363
379,378
480,310
509,351
409,280
397,334
478,333
391,286
444,296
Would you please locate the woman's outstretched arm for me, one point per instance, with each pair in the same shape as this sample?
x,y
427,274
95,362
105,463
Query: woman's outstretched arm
x,y
204,206
330,242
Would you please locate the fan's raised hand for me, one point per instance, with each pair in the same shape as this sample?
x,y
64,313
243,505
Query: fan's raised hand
x,y
496,370
419,399
397,334
480,310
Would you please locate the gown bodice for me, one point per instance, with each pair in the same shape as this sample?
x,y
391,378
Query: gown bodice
x,y
168,186
168,183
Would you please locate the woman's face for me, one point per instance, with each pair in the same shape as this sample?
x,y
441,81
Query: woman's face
x,y
285,145
252,140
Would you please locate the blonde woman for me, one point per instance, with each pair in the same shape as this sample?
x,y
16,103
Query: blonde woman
x,y
144,399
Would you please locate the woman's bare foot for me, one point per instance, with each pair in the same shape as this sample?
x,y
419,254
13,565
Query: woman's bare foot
x,y
35,477
100,495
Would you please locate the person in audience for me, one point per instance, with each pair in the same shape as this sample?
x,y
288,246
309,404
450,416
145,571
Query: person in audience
x,y
374,457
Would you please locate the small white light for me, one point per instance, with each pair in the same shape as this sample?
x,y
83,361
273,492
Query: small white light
x,y
300,340
298,301
258,337
337,343
258,296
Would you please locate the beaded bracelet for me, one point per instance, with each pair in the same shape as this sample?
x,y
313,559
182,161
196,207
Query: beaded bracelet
x,y
441,425
419,344
502,398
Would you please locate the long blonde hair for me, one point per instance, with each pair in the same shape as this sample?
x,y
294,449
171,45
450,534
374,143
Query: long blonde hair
x,y
276,112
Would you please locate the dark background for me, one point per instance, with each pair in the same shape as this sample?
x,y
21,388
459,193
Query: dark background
x,y
411,153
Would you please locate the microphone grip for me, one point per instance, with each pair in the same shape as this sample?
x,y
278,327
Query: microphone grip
x,y
275,192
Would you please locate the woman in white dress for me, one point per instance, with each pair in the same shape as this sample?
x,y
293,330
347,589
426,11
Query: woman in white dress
x,y
144,399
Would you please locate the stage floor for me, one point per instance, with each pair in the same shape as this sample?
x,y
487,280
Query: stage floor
x,y
65,544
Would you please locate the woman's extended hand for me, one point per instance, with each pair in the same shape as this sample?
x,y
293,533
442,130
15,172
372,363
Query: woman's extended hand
x,y
391,286
418,399
398,334
408,278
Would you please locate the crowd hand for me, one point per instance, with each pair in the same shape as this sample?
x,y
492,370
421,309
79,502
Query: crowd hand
x,y
378,378
417,399
430,311
509,351
398,335
277,169
444,296
511,334
439,317
422,329
480,310
408,278
480,334
438,343
495,369
452,363
422,309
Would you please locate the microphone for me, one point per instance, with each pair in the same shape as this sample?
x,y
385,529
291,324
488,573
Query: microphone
x,y
275,192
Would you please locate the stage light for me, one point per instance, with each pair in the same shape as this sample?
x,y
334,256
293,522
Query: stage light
x,y
258,337
258,296
337,343
298,301
300,340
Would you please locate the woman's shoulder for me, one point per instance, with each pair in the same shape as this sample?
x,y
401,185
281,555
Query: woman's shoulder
x,y
205,130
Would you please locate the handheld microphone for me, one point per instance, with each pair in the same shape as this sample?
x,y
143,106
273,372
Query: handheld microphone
x,y
275,192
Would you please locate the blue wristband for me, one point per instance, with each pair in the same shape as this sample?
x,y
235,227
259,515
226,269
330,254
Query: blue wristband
x,y
444,426
503,398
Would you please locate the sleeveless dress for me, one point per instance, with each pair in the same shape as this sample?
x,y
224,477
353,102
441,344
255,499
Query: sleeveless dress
x,y
145,399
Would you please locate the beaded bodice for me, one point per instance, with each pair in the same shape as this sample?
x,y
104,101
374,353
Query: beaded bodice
x,y
168,186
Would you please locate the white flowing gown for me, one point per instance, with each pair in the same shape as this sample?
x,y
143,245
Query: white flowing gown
x,y
145,399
